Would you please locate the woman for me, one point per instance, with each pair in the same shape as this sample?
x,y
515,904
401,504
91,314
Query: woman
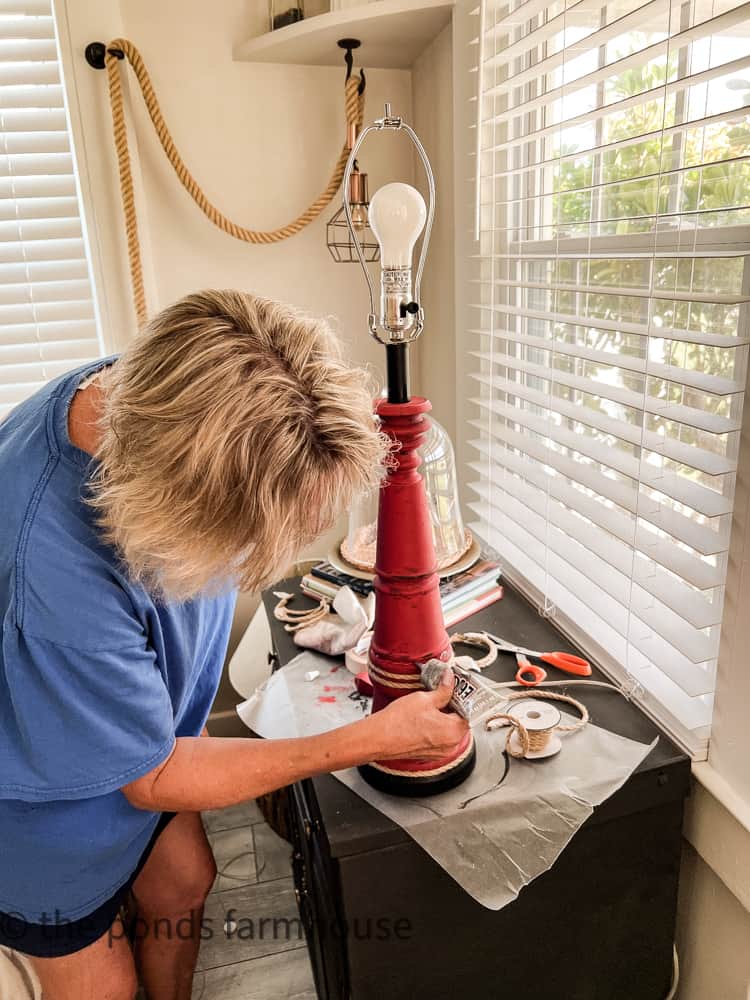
x,y
138,494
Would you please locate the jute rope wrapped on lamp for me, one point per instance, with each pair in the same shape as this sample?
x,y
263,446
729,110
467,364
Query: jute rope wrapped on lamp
x,y
121,48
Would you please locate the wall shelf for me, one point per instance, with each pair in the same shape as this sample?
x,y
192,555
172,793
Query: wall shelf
x,y
393,33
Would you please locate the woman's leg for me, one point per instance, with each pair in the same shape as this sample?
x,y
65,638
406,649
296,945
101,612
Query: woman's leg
x,y
170,892
102,971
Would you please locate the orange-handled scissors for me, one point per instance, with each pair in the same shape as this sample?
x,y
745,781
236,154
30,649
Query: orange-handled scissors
x,y
528,673
567,662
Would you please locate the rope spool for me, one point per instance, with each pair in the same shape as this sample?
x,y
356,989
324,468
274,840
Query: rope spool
x,y
534,732
354,109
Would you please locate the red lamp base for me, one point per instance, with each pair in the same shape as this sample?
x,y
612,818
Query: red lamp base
x,y
408,628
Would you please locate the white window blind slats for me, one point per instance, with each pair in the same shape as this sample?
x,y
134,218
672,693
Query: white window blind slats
x,y
561,558
521,14
625,292
593,385
52,292
27,49
20,381
21,374
47,311
644,51
679,711
19,356
25,73
17,165
42,250
19,96
39,312
702,537
41,334
610,301
32,230
25,25
586,14
705,501
647,53
34,120
694,607
569,322
734,115
616,107
37,208
716,385
650,182
621,433
26,7
34,142
36,273
630,250
700,573
20,189
621,490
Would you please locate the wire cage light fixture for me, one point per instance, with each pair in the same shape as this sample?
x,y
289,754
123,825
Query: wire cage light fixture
x,y
339,238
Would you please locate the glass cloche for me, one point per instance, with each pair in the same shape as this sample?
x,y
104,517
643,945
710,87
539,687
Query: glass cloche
x,y
438,469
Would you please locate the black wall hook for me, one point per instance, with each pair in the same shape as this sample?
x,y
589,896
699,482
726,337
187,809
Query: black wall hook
x,y
349,44
96,51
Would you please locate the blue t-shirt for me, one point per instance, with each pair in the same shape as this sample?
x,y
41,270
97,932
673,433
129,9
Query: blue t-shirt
x,y
97,678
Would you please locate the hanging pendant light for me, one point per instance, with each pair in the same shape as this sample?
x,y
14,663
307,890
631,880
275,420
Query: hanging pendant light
x,y
338,232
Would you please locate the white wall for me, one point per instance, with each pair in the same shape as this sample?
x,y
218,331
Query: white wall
x,y
262,141
712,935
435,353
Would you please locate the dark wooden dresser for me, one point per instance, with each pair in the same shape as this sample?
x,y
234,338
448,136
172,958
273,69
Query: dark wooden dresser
x,y
385,922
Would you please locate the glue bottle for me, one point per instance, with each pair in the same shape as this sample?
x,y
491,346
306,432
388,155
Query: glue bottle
x,y
473,698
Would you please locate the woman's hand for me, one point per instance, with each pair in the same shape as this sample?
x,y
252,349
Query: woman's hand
x,y
414,725
214,773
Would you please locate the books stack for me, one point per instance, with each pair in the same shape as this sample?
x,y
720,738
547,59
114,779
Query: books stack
x,y
461,595
466,593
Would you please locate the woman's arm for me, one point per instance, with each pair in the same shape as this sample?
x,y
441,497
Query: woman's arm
x,y
213,773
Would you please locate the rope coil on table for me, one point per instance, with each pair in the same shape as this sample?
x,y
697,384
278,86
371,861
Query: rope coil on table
x,y
536,741
354,106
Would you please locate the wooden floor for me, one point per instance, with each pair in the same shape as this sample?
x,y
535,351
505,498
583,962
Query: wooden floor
x,y
253,946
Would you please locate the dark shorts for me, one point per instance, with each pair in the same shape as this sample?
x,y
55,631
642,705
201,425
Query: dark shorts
x,y
53,939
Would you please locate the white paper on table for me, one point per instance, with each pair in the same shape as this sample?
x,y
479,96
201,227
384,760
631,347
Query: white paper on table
x,y
493,839
286,705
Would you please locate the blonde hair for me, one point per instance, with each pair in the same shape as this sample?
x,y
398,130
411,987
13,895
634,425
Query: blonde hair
x,y
233,434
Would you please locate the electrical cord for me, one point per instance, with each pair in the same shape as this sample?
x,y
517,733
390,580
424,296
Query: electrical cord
x,y
675,974
545,684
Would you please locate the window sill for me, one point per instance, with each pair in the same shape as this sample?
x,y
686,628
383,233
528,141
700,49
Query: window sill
x,y
717,824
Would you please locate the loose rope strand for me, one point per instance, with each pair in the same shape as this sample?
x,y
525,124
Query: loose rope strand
x,y
354,105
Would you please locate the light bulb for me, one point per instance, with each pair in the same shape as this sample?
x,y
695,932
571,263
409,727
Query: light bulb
x,y
397,217
359,217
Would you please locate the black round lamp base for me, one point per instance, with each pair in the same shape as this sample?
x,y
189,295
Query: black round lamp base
x,y
418,786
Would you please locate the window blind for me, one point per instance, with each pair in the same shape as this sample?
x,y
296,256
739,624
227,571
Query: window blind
x,y
47,311
610,294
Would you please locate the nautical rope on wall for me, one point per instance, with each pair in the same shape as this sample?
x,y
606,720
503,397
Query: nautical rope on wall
x,y
354,105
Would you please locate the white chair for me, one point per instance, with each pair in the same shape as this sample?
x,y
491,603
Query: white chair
x,y
249,665
17,978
